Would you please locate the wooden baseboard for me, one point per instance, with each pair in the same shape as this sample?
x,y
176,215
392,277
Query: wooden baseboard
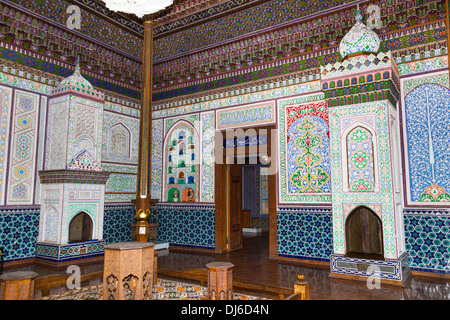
x,y
67,263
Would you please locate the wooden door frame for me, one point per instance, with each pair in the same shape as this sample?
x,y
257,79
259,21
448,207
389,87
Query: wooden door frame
x,y
221,186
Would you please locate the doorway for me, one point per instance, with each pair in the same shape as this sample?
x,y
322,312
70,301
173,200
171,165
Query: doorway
x,y
229,195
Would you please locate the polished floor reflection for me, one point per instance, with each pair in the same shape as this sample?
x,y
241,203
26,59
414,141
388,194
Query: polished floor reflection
x,y
252,265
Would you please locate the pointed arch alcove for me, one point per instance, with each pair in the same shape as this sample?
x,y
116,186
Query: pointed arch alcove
x,y
364,234
80,228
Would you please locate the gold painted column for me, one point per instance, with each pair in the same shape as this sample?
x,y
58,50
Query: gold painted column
x,y
143,192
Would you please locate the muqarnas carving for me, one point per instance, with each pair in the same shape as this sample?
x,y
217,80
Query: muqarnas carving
x,y
181,147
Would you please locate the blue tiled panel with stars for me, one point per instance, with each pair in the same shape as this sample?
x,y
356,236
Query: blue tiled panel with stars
x,y
305,233
18,233
427,240
187,225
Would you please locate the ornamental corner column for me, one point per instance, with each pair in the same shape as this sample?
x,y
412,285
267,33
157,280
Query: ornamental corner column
x,y
143,192
447,18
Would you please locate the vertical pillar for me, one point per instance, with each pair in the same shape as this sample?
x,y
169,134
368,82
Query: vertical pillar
x,y
145,134
220,280
447,10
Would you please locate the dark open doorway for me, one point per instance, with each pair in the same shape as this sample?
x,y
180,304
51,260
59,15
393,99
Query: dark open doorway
x,y
228,196
364,234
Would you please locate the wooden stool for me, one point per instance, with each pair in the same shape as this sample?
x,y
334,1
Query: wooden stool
x,y
128,271
18,285
220,280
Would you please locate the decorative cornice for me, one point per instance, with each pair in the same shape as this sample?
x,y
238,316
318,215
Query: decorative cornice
x,y
73,176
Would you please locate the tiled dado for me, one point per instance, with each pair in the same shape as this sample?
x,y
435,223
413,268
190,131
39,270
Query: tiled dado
x,y
305,233
69,252
187,225
18,232
427,240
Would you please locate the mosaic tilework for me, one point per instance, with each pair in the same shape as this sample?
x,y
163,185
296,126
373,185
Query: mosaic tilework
x,y
397,270
70,252
427,240
18,233
187,226
24,142
131,124
342,120
361,173
263,113
427,121
304,154
157,151
40,147
305,234
125,183
5,105
117,223
207,155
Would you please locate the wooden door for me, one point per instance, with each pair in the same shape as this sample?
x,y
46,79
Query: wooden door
x,y
235,205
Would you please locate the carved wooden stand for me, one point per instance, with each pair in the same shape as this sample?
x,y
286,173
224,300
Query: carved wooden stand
x,y
128,271
18,285
220,280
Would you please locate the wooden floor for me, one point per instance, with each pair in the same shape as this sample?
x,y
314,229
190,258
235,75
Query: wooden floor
x,y
253,266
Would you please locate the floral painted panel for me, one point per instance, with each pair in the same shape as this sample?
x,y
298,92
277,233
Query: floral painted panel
x,y
360,157
428,133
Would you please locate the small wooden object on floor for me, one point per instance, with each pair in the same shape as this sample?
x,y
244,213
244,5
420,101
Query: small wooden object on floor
x,y
17,285
128,271
246,218
220,280
302,287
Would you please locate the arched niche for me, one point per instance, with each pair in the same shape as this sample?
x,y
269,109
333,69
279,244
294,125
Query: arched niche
x,y
80,228
364,234
119,141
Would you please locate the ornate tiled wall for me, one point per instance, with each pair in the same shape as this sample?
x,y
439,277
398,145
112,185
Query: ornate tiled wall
x,y
305,233
187,225
117,223
304,150
427,240
18,232
426,128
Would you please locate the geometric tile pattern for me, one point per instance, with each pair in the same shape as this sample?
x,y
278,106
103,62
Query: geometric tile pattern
x,y
157,149
305,233
187,225
207,157
18,233
5,109
427,239
70,252
117,223
22,157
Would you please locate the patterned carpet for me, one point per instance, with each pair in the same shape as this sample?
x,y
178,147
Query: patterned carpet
x,y
162,290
